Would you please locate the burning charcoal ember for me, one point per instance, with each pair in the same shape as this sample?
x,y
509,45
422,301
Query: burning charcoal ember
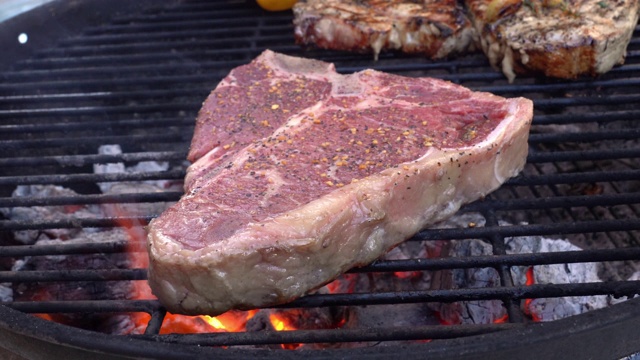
x,y
396,315
293,319
78,290
89,290
467,312
554,308
390,315
296,319
46,213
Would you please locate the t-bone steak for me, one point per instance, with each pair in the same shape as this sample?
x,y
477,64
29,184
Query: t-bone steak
x,y
300,173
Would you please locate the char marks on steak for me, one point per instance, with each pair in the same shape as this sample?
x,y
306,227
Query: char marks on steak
x,y
315,172
559,38
434,28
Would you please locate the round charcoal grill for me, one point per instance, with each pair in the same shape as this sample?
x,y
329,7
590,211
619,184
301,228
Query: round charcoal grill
x,y
101,73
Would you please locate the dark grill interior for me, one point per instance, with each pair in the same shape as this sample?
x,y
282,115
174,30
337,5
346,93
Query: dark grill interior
x,y
139,80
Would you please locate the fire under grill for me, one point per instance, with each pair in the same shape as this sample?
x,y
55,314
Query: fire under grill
x,y
94,130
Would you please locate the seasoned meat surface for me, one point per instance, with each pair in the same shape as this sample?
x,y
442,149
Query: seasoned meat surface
x,y
435,28
307,192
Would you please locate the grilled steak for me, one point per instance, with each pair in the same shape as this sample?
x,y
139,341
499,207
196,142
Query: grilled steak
x,y
431,27
557,38
301,173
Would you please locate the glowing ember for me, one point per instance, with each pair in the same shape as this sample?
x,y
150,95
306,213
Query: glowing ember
x,y
407,274
177,324
501,320
527,302
344,284
280,324
215,322
231,320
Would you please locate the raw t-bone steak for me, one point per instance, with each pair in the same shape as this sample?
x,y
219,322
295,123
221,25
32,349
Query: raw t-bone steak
x,y
300,173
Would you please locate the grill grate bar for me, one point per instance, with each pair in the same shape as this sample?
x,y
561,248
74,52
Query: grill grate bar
x,y
597,116
330,336
428,264
140,28
14,225
155,323
85,306
572,178
576,227
90,141
555,202
626,134
535,291
84,66
177,35
73,275
81,178
84,126
34,99
92,199
153,47
225,16
577,85
613,288
506,280
96,110
127,82
106,247
587,100
561,257
81,160
498,205
608,154
79,64
140,81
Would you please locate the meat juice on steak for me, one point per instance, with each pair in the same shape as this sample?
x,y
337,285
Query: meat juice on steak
x,y
310,189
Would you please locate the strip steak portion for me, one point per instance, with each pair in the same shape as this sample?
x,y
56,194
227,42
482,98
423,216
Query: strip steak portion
x,y
434,28
557,38
310,191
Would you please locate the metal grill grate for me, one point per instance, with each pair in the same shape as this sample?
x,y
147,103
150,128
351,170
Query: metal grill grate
x,y
139,81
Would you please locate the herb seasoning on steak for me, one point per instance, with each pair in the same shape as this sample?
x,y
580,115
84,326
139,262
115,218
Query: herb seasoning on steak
x,y
300,173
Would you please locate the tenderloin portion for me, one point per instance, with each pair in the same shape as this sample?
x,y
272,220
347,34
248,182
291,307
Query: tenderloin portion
x,y
431,27
557,38
320,188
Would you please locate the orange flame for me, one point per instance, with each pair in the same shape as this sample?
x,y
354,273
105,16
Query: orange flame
x,y
172,323
280,323
530,280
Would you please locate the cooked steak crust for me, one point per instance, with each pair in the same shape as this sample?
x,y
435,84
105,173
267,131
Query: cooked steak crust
x,y
320,188
557,38
435,28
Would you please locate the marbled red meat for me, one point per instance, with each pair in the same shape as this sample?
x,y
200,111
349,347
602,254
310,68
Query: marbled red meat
x,y
308,173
